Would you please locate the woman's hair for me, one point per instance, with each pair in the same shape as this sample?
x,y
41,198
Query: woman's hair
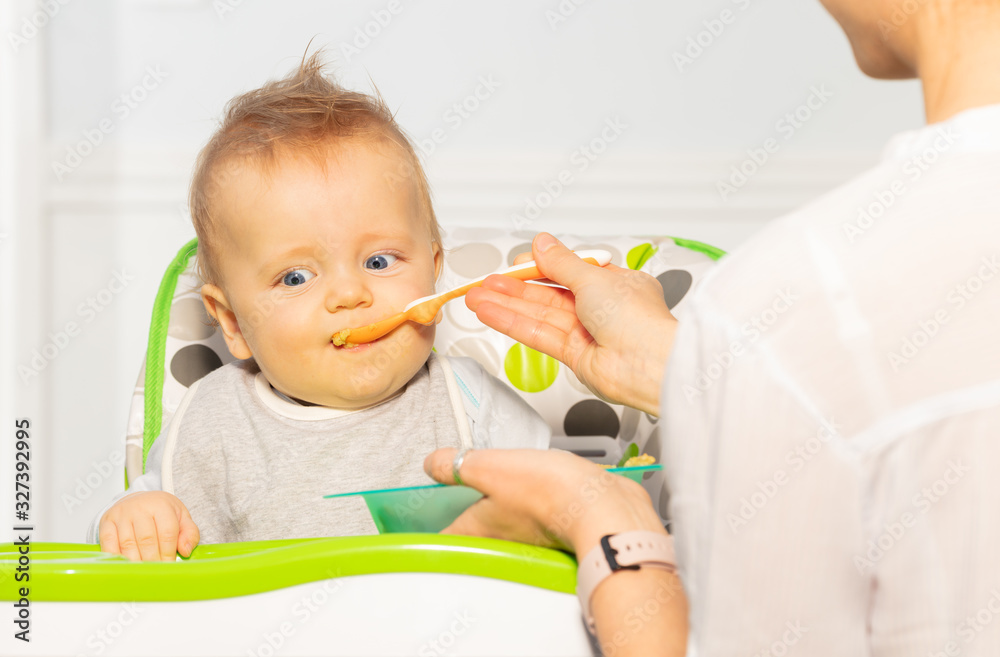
x,y
306,113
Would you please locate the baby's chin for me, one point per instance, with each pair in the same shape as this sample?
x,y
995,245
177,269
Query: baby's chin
x,y
358,377
346,400
365,386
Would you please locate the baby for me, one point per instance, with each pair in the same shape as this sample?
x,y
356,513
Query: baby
x,y
313,216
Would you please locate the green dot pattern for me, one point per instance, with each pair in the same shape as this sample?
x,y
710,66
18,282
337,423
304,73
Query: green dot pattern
x,y
637,256
530,370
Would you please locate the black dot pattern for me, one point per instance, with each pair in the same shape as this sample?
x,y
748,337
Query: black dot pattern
x,y
591,417
192,362
676,284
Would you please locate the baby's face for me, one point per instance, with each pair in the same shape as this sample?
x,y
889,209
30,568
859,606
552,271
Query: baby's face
x,y
305,253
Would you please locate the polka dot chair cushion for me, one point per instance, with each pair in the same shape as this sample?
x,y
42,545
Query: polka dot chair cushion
x,y
192,346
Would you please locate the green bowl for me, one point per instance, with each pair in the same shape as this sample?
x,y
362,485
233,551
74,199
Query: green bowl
x,y
434,507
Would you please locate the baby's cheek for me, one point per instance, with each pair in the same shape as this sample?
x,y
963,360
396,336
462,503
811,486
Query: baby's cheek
x,y
277,336
255,321
419,341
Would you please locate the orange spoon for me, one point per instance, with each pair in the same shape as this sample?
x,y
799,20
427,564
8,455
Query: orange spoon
x,y
425,309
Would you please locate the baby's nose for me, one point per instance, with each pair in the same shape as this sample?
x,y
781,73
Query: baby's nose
x,y
347,293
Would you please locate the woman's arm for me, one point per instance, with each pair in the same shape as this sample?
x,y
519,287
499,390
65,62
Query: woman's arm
x,y
641,612
556,499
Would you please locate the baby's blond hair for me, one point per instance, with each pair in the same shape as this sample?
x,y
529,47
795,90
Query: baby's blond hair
x,y
305,112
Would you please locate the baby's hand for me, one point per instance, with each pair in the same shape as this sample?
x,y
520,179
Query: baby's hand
x,y
148,526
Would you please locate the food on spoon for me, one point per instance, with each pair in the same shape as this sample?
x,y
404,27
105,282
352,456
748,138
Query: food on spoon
x,y
340,338
639,461
632,462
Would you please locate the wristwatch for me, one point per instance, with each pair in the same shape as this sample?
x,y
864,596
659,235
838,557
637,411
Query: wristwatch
x,y
625,551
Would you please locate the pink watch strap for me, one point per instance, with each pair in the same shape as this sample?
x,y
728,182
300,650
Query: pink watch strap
x,y
625,551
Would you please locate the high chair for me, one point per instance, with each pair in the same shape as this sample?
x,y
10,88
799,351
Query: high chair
x,y
424,594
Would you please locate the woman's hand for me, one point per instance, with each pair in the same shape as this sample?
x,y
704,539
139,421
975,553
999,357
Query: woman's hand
x,y
547,498
611,326
552,498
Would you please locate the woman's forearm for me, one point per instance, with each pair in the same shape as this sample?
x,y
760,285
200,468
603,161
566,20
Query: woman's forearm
x,y
558,499
640,613
637,612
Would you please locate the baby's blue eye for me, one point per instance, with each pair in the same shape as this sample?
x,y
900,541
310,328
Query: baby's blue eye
x,y
297,277
380,261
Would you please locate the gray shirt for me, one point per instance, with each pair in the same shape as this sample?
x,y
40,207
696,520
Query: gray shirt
x,y
250,464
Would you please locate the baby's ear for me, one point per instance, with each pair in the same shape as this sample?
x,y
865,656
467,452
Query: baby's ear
x,y
438,260
218,307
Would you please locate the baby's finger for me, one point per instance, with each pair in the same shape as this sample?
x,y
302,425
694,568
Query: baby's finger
x,y
166,530
109,537
145,537
189,534
126,540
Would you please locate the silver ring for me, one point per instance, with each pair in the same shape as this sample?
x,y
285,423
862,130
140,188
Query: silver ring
x,y
456,465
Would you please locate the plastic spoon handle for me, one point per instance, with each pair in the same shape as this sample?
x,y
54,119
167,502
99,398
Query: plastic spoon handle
x,y
425,309
525,271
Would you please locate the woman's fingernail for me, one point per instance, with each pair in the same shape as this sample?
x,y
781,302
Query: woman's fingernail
x,y
544,242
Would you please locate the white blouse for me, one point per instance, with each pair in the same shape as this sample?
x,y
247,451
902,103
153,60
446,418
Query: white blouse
x,y
832,417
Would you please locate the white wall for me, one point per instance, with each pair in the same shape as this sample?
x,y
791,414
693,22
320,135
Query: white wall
x,y
122,209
